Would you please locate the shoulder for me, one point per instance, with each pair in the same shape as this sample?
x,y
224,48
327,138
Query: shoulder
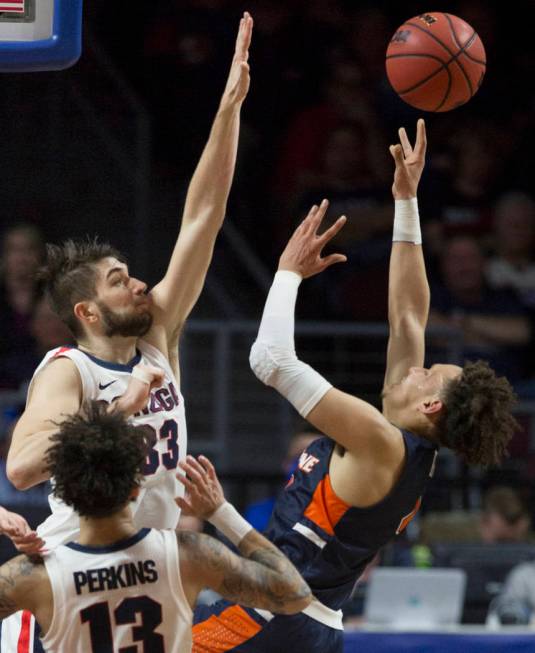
x,y
58,370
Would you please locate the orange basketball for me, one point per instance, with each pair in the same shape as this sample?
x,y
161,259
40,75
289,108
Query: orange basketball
x,y
435,62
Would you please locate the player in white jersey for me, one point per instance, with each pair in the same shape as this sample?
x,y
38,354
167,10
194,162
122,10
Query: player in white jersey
x,y
123,588
117,325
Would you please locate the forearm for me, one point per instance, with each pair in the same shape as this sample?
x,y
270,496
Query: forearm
x,y
292,588
210,185
408,288
284,590
26,461
273,358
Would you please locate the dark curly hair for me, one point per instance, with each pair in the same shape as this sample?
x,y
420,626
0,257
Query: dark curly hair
x,y
69,275
477,422
96,460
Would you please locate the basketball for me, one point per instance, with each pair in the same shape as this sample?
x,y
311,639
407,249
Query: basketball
x,y
435,62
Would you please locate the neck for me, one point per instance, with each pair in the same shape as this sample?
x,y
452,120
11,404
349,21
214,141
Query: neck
x,y
104,531
409,421
116,349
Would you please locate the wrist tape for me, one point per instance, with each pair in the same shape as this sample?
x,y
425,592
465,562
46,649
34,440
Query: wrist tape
x,y
407,222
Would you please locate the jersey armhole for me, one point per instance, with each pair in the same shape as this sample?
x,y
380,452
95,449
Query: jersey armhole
x,y
49,362
54,578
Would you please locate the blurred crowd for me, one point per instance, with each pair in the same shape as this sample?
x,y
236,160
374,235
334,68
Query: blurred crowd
x,y
317,123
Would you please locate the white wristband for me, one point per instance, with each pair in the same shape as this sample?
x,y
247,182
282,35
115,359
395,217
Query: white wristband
x,y
141,374
229,521
407,222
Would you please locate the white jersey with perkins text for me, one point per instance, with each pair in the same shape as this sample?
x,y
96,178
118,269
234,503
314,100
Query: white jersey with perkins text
x,y
126,597
164,414
155,506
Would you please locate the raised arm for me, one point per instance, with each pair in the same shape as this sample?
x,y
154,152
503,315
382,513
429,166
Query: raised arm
x,y
408,290
204,211
353,423
262,578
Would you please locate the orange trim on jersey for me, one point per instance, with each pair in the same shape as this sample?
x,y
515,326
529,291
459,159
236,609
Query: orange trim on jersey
x,y
408,518
326,508
224,632
23,645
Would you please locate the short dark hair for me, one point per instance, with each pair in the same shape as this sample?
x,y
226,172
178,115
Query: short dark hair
x,y
96,459
69,275
477,422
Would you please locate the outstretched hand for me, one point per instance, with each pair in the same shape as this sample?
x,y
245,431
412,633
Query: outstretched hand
x,y
409,162
19,532
239,80
302,254
204,493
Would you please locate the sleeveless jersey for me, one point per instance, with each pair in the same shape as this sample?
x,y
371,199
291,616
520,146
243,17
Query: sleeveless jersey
x,y
329,541
164,414
125,597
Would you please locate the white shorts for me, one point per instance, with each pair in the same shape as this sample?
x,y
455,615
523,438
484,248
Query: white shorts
x,y
20,634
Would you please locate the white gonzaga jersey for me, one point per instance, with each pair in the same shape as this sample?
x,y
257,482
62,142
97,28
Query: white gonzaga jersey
x,y
125,597
164,414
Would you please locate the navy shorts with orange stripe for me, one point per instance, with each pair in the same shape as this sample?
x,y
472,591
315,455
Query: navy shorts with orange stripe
x,y
225,626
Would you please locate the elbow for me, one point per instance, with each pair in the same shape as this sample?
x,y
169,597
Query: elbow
x,y
410,323
18,475
262,363
299,600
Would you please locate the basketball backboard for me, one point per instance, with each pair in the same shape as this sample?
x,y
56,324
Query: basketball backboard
x,y
39,35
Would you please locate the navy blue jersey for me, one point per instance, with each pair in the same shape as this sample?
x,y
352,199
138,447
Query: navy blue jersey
x,y
329,541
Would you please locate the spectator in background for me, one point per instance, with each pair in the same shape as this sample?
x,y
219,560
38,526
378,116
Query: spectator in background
x,y
512,265
348,176
47,331
259,512
346,99
504,517
22,254
493,322
515,605
461,187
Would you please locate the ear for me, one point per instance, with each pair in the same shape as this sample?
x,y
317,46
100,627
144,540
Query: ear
x,y
134,493
85,312
430,406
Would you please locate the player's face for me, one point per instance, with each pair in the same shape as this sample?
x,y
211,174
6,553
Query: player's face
x,y
421,383
124,306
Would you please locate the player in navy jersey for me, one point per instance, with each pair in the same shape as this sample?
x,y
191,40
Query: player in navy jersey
x,y
127,339
118,586
356,489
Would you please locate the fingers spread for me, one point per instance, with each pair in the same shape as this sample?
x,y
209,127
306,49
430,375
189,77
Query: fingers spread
x,y
421,137
332,259
397,153
405,143
209,468
332,230
320,214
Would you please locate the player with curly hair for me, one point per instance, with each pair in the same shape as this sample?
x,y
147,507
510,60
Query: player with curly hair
x,y
126,351
121,586
356,489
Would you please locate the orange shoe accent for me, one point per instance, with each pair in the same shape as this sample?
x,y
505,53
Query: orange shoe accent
x,y
222,633
326,508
